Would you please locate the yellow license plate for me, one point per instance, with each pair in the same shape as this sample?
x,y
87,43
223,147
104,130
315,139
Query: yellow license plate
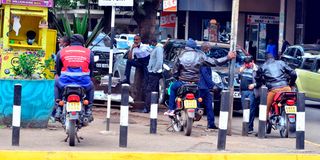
x,y
190,103
291,109
73,106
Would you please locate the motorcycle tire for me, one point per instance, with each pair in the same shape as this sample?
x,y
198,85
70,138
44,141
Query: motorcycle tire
x,y
72,132
268,127
188,126
284,131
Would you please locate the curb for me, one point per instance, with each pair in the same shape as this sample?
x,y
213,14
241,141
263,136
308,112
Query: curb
x,y
62,155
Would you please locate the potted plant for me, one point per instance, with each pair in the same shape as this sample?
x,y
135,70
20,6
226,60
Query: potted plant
x,y
37,97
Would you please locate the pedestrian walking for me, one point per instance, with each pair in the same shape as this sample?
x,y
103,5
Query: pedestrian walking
x,y
154,72
272,48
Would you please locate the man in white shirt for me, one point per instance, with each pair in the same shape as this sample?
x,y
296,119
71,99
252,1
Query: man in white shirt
x,y
138,56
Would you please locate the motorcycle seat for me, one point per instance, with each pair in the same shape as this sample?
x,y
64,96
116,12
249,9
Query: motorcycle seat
x,y
73,89
187,88
280,96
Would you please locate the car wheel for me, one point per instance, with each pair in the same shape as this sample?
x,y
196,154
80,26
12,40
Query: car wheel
x,y
162,91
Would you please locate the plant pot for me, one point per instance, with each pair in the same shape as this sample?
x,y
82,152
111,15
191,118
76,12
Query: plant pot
x,y
37,101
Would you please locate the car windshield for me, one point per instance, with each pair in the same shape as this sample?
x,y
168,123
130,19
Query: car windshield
x,y
217,52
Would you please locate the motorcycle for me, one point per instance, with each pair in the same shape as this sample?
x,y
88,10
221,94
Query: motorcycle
x,y
73,115
187,110
282,115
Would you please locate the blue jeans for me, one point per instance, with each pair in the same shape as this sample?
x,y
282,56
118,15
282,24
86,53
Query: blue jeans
x,y
250,95
173,92
207,101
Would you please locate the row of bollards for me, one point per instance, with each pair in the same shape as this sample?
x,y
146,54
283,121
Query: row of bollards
x,y
223,119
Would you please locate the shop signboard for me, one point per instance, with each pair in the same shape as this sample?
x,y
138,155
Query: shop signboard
x,y
256,19
40,3
170,5
128,3
168,19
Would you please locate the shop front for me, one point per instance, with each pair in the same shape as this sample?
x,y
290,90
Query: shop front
x,y
261,30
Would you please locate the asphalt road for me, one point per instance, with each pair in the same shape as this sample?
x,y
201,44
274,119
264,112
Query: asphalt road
x,y
312,123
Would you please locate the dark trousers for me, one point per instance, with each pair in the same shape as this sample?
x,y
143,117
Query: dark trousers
x,y
152,86
249,94
137,62
208,102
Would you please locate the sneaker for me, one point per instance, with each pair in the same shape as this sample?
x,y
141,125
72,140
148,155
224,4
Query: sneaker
x,y
52,119
250,132
169,113
214,127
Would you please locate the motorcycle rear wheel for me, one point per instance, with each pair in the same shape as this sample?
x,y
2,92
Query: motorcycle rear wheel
x,y
284,129
72,132
187,124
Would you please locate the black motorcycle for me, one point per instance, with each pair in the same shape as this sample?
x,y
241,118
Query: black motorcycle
x,y
187,110
73,115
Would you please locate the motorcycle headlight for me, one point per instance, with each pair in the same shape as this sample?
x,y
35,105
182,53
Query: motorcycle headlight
x,y
216,77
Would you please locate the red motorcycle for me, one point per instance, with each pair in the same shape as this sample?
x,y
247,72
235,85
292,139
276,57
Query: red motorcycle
x,y
282,115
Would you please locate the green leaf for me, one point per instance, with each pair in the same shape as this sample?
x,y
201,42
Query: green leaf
x,y
67,27
96,31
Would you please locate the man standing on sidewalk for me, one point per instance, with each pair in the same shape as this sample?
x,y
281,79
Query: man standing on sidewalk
x,y
247,84
154,72
205,85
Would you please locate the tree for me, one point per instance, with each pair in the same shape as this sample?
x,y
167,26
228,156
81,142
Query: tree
x,y
145,14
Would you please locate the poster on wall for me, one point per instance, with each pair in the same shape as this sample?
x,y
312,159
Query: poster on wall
x,y
169,5
216,32
168,19
41,3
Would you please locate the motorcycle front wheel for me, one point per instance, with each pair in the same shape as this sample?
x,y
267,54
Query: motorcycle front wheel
x,y
72,132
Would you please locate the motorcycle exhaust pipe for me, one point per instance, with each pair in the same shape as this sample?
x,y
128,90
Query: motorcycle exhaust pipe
x,y
85,121
200,112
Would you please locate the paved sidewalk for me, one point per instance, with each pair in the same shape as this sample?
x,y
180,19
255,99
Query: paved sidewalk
x,y
139,139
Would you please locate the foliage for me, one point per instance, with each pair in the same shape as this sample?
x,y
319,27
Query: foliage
x,y
31,66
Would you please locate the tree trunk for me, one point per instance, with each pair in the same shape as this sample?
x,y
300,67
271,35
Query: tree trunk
x,y
146,21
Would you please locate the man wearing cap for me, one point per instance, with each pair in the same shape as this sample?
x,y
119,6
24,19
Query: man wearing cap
x,y
187,69
247,84
74,65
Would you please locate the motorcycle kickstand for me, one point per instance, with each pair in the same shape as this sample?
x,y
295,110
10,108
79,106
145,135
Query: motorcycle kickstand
x,y
78,138
66,139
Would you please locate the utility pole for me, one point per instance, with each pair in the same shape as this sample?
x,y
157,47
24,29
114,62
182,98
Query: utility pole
x,y
233,47
282,23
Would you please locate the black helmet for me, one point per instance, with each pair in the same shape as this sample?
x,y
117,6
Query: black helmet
x,y
248,59
77,38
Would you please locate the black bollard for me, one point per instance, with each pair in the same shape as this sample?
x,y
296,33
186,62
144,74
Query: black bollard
x,y
223,120
263,113
124,116
153,113
300,122
16,115
246,117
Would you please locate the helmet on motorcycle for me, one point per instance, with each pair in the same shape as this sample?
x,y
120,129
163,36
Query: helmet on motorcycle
x,y
78,38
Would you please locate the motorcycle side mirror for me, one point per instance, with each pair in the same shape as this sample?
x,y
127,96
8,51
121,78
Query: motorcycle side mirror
x,y
96,58
166,67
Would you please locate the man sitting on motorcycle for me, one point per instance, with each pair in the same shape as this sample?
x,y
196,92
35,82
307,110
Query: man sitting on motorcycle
x,y
74,65
187,69
274,74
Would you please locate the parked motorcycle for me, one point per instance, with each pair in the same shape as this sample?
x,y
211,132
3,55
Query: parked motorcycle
x,y
73,115
187,109
282,115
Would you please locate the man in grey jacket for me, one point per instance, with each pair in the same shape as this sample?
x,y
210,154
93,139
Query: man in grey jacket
x,y
154,72
187,69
